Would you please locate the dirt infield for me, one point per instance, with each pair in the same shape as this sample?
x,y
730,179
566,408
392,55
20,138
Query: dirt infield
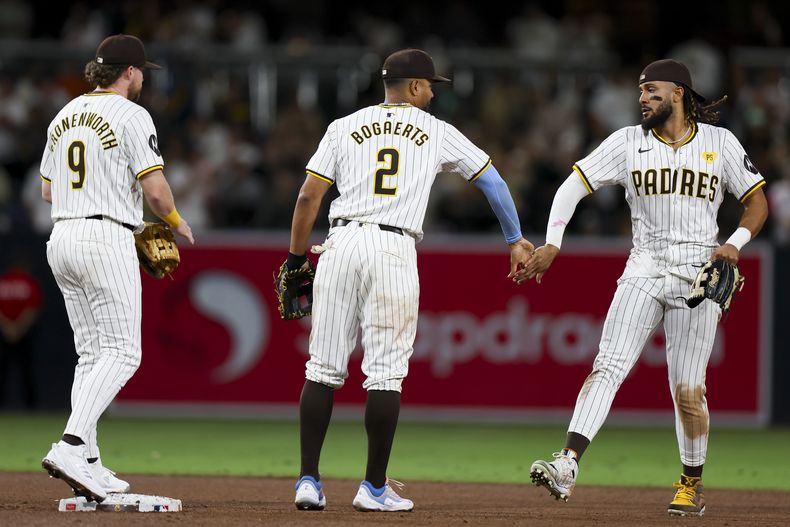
x,y
31,499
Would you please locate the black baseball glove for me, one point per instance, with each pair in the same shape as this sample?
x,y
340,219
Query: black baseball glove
x,y
292,286
718,281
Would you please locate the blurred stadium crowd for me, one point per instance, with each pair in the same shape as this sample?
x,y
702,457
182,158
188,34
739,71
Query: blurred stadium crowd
x,y
248,93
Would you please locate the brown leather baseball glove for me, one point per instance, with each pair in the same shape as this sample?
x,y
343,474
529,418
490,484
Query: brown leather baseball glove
x,y
157,250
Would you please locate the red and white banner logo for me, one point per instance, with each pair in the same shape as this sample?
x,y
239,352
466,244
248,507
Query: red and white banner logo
x,y
213,335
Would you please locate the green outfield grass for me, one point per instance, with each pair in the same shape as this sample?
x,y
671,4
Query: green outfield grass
x,y
437,452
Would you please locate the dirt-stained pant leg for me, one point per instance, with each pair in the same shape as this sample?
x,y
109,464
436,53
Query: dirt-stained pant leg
x,y
336,309
690,335
635,312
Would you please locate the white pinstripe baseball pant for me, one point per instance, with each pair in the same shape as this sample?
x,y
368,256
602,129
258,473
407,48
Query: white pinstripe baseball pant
x,y
639,305
366,278
96,268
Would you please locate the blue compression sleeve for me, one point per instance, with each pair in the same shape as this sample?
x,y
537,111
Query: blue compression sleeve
x,y
495,189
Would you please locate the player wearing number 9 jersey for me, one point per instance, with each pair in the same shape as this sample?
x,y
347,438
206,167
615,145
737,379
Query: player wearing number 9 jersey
x,y
100,158
383,159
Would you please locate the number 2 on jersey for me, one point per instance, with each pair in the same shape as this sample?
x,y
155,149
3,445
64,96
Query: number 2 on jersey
x,y
76,161
391,158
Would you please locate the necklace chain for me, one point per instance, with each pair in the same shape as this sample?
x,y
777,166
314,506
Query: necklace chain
x,y
681,137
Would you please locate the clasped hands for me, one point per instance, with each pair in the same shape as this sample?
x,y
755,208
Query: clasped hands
x,y
527,263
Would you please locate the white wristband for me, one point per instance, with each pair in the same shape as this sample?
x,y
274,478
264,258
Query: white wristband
x,y
740,237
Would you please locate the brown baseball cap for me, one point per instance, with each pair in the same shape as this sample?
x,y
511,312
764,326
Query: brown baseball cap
x,y
123,50
671,71
410,64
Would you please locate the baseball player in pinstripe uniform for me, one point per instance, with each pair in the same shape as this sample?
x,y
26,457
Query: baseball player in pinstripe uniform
x,y
675,168
383,159
101,157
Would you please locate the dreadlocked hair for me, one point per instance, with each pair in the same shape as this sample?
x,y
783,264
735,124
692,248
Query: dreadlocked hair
x,y
102,75
699,113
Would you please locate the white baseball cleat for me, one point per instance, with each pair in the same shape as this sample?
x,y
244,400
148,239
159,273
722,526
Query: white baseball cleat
x,y
67,462
558,476
371,499
107,478
309,495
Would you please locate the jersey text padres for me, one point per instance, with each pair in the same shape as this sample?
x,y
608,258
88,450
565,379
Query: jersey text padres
x,y
674,196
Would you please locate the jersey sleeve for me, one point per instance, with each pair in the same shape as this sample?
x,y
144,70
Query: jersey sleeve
x,y
606,165
142,144
460,156
324,162
741,176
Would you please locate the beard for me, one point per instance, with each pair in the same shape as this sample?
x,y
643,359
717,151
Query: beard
x,y
659,117
424,107
134,93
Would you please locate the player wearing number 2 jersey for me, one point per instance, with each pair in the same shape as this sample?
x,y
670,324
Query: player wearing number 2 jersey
x,y
100,158
383,159
675,169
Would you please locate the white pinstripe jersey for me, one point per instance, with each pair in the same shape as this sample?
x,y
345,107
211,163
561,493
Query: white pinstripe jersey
x,y
674,195
98,146
384,160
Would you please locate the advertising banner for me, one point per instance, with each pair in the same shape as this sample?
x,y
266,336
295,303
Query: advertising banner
x,y
484,346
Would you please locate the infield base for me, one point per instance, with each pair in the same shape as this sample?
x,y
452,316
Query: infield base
x,y
121,503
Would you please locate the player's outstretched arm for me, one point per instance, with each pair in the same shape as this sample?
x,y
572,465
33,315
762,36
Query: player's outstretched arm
x,y
160,198
498,195
567,197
